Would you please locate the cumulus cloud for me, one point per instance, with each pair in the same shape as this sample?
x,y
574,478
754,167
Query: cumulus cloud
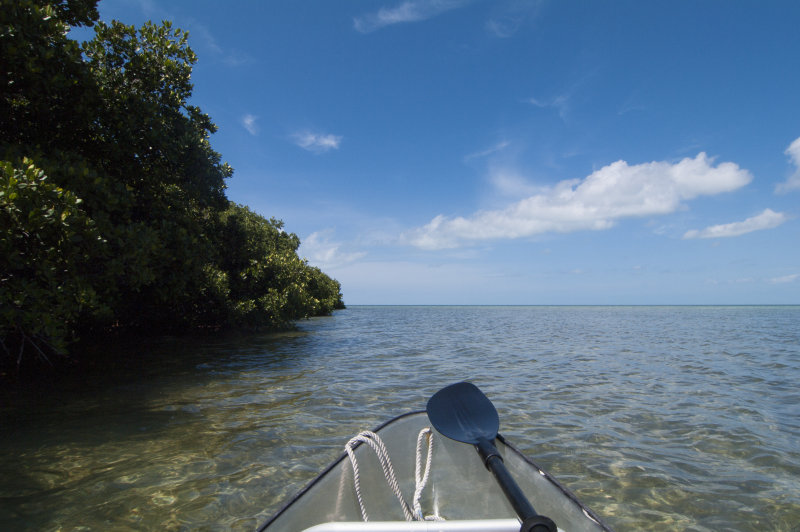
x,y
408,11
596,202
316,142
793,182
768,219
249,123
320,249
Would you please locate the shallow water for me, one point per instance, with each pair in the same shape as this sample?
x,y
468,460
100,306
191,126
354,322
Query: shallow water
x,y
659,418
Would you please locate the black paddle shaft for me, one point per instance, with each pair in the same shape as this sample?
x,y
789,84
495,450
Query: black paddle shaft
x,y
463,413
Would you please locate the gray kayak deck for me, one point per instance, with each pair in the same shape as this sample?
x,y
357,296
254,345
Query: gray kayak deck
x,y
460,489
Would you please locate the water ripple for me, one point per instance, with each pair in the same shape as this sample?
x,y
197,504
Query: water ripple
x,y
659,418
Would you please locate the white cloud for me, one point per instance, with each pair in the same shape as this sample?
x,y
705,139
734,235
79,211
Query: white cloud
x,y
793,182
322,251
249,123
508,182
785,279
408,11
596,202
316,142
768,219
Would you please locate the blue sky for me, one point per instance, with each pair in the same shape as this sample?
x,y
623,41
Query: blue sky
x,y
513,152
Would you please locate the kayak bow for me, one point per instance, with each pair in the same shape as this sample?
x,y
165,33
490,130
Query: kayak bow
x,y
460,490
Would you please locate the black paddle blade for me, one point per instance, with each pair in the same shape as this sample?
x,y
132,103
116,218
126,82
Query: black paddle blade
x,y
462,413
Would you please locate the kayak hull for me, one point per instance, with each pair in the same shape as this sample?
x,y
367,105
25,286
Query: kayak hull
x,y
460,489
476,525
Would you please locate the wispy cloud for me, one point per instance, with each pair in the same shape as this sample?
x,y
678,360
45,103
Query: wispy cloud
x,y
793,182
249,123
503,27
500,146
632,104
199,33
149,8
317,142
768,219
785,279
321,250
560,103
564,100
508,18
596,202
408,11
509,182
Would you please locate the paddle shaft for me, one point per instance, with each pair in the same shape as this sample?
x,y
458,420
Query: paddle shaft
x,y
531,521
461,412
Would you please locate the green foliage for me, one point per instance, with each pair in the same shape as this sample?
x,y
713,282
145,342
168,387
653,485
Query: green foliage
x,y
152,242
46,249
43,80
147,135
268,283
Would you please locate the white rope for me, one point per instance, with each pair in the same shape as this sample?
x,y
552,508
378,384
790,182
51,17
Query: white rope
x,y
420,476
376,444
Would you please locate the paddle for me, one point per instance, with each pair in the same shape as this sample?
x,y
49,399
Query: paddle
x,y
462,413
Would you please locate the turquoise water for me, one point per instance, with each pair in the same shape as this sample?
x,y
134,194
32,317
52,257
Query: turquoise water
x,y
659,418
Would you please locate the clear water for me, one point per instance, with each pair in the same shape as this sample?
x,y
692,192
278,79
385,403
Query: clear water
x,y
659,418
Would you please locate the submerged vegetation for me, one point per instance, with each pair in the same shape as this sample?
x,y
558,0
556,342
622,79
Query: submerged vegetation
x,y
113,212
